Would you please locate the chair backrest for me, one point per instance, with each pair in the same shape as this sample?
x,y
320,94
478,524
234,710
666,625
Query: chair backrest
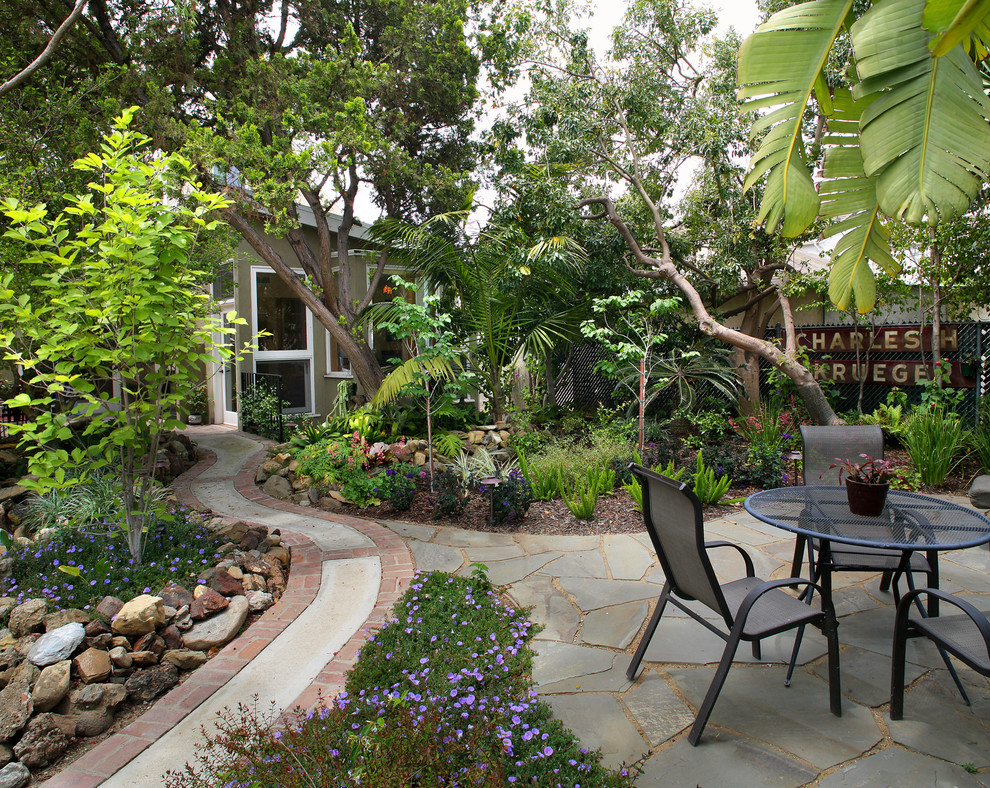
x,y
823,445
673,518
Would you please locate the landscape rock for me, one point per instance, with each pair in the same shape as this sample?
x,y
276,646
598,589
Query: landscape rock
x,y
60,618
258,566
226,584
15,708
57,645
330,504
42,743
184,658
174,595
151,642
28,617
219,629
6,754
142,614
206,603
120,657
259,600
254,583
144,659
109,607
183,620
103,642
235,572
280,554
277,487
171,637
150,683
252,539
120,640
52,685
10,657
23,672
14,775
93,665
97,627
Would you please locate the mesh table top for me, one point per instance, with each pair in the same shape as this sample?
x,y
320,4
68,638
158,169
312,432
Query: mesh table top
x,y
908,522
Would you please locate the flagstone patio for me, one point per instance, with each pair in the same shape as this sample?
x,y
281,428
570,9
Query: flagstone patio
x,y
592,596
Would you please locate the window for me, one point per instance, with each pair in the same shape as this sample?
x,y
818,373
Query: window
x,y
288,348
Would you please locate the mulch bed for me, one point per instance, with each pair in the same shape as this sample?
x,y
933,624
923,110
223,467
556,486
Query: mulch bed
x,y
615,514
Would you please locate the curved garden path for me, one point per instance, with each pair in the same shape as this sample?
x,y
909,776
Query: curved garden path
x,y
346,575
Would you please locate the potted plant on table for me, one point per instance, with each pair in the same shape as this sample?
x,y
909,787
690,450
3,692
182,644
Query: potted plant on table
x,y
867,483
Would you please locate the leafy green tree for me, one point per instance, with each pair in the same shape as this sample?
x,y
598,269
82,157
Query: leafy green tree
x,y
910,140
632,120
117,324
281,100
433,369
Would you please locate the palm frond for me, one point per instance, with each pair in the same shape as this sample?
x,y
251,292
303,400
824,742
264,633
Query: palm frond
x,y
398,381
965,22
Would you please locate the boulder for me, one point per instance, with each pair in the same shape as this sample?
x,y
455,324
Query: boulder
x,y
142,614
150,683
330,504
28,617
120,657
57,645
52,685
219,629
174,595
280,554
109,607
206,603
70,615
979,492
15,708
259,600
184,658
14,775
226,584
277,487
42,743
93,665
90,709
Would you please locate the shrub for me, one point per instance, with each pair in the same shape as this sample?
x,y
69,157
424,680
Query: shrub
x,y
450,494
542,478
771,427
97,499
362,490
933,439
334,461
78,567
708,489
582,498
511,498
397,486
438,697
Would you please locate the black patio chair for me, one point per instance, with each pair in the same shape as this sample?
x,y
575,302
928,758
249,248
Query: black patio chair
x,y
822,446
965,636
752,608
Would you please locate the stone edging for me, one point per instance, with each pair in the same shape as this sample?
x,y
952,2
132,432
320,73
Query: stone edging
x,y
100,763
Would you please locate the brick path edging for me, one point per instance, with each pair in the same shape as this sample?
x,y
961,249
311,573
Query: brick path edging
x,y
100,763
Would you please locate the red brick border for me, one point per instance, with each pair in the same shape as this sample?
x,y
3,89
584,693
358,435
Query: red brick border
x,y
104,760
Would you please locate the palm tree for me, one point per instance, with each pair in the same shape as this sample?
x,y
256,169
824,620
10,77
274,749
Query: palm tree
x,y
510,296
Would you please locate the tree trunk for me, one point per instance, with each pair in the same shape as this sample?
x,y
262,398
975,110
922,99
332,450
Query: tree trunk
x,y
665,269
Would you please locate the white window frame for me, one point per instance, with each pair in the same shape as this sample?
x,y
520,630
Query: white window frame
x,y
284,355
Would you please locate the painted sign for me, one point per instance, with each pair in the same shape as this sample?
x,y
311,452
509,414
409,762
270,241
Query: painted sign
x,y
886,373
898,339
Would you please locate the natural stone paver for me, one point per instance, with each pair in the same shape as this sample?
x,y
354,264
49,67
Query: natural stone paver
x,y
559,661
614,626
895,766
628,558
502,553
412,531
458,538
739,534
866,675
549,608
873,630
657,709
584,563
795,719
936,722
853,599
611,680
435,557
540,543
591,594
515,569
724,760
599,721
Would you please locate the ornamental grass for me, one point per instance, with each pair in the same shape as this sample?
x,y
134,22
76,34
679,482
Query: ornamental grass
x,y
441,696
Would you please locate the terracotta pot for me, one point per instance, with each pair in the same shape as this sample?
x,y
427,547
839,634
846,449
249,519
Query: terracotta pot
x,y
866,499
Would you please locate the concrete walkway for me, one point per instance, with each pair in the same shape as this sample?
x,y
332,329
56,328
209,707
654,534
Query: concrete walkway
x,y
346,574
592,596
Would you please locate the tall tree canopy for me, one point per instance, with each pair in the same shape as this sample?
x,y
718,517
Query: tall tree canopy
x,y
277,99
906,122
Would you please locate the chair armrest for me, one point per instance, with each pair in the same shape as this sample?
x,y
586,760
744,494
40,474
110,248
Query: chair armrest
x,y
747,561
977,616
770,585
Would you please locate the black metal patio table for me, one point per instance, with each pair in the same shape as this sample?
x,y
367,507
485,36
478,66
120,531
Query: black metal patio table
x,y
909,523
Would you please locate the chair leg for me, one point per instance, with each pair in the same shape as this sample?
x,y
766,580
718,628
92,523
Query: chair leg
x,y
830,628
757,650
798,560
885,579
715,687
897,668
648,634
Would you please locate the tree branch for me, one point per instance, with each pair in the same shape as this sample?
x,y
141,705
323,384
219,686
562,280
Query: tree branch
x,y
47,52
